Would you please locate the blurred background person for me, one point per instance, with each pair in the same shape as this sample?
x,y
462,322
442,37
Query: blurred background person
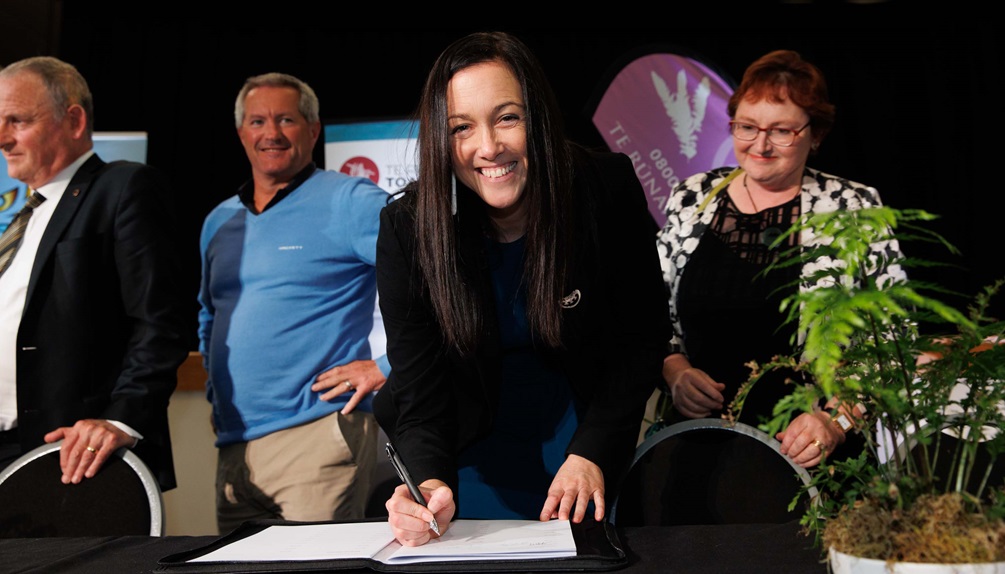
x,y
525,315
92,323
717,242
287,299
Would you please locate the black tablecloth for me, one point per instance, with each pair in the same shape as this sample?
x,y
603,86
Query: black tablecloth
x,y
739,549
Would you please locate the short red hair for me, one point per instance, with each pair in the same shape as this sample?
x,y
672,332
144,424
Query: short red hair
x,y
784,74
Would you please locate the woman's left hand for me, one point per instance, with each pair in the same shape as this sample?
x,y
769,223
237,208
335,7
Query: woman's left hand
x,y
577,482
809,437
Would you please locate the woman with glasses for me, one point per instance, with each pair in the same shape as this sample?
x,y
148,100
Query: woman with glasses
x,y
718,239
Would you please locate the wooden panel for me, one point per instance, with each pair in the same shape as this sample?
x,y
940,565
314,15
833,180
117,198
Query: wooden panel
x,y
191,374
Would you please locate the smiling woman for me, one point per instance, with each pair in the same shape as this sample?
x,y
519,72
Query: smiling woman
x,y
725,307
522,301
490,142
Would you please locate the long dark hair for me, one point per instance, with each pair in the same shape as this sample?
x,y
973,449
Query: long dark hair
x,y
548,194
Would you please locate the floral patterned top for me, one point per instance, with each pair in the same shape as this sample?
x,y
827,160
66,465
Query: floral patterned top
x,y
821,193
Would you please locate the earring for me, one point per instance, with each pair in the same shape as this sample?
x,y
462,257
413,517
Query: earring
x,y
453,194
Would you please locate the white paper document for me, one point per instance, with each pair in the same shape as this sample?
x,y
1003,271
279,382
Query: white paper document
x,y
464,540
492,540
306,542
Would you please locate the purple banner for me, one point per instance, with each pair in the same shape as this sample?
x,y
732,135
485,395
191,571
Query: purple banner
x,y
668,113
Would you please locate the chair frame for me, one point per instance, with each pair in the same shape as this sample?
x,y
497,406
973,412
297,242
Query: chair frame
x,y
150,485
712,424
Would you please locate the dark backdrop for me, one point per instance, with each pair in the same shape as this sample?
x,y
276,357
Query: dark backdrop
x,y
917,92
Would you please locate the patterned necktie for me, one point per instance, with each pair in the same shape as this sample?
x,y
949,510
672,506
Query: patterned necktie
x,y
11,238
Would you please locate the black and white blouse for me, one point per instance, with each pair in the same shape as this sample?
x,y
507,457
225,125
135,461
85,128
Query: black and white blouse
x,y
821,193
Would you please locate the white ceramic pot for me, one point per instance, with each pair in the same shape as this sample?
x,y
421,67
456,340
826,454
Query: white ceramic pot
x,y
842,563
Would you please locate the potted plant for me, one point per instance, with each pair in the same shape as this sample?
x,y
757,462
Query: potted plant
x,y
931,382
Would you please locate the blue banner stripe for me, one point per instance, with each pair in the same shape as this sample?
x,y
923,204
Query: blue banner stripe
x,y
397,129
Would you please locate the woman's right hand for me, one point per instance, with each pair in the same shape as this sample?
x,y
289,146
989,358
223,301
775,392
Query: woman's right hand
x,y
409,520
695,394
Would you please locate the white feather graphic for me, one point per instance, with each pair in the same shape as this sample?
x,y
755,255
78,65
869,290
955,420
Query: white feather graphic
x,y
685,113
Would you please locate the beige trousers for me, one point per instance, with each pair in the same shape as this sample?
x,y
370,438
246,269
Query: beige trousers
x,y
322,470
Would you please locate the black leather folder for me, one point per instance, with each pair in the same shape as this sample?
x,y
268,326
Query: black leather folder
x,y
597,549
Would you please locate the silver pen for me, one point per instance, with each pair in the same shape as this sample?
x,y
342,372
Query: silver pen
x,y
399,467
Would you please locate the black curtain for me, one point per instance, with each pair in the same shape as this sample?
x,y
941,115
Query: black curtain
x,y
917,93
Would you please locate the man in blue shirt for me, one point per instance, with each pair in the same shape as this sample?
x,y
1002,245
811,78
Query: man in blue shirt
x,y
286,308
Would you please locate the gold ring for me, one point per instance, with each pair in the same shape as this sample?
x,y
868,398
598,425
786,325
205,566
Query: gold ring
x,y
91,449
820,445
348,384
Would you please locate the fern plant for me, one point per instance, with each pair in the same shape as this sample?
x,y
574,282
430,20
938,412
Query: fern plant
x,y
862,341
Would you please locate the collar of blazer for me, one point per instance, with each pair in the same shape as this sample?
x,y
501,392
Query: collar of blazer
x,y
63,214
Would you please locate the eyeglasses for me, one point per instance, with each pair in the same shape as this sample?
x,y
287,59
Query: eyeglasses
x,y
783,137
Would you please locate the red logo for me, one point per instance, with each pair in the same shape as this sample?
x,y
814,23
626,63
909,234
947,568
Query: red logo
x,y
360,166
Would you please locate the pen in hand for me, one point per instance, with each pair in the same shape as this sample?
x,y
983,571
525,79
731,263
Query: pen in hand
x,y
399,467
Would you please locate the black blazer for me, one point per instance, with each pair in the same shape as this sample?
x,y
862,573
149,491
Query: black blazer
x,y
437,402
103,330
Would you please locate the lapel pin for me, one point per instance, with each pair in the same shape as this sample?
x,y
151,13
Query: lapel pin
x,y
571,300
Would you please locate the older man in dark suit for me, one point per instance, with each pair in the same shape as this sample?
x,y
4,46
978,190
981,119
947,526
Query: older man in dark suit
x,y
92,328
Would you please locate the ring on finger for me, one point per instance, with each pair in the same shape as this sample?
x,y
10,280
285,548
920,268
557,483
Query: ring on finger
x,y
348,384
91,449
819,444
